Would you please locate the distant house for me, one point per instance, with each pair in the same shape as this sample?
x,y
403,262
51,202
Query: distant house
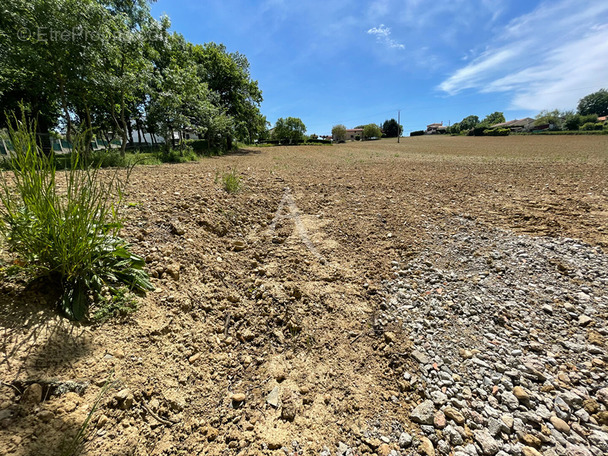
x,y
602,119
435,128
525,124
351,134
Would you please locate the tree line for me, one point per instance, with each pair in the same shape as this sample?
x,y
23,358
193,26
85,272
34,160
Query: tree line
x,y
108,68
585,118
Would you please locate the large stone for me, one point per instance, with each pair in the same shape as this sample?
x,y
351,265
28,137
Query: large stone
x,y
489,446
423,413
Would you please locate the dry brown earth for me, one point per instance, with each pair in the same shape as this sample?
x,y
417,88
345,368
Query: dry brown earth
x,y
241,308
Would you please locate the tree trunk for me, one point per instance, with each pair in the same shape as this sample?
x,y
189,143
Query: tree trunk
x,y
66,111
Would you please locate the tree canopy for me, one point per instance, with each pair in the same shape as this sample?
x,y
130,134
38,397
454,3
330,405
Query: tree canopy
x,y
371,131
392,129
107,67
493,119
594,103
338,133
291,129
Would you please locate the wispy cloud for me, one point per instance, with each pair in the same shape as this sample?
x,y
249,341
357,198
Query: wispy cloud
x,y
548,58
383,35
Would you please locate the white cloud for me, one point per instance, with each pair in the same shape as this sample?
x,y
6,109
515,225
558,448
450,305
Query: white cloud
x,y
383,35
547,59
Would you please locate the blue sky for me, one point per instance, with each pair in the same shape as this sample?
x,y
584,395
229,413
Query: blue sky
x,y
356,62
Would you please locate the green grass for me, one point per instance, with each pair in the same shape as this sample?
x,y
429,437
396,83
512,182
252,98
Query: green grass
x,y
63,226
231,181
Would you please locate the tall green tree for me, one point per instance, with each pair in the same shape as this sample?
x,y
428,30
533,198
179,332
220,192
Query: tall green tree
x,y
392,129
493,119
594,103
291,129
371,131
338,133
469,122
228,77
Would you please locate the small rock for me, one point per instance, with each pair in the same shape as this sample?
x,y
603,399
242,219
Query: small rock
x,y
194,358
383,450
45,415
32,394
124,399
439,420
560,425
489,446
521,394
584,320
452,414
390,337
466,354
420,357
237,398
531,440
510,400
426,447
529,451
273,397
405,440
423,413
289,411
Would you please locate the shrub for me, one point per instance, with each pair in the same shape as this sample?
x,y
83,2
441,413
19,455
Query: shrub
x,y
417,133
63,227
497,132
109,159
178,156
589,126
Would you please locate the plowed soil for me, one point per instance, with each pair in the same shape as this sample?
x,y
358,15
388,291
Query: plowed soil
x,y
251,300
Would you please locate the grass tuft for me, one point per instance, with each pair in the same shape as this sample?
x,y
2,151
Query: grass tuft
x,y
63,226
231,181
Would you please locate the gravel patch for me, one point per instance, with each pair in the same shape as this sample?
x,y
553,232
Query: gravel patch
x,y
509,333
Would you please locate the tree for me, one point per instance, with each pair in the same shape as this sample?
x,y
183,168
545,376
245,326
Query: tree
x,y
227,76
595,103
552,118
338,133
291,129
493,119
469,122
454,129
392,129
371,131
572,121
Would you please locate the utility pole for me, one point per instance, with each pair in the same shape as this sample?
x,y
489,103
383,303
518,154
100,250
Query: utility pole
x,y
398,125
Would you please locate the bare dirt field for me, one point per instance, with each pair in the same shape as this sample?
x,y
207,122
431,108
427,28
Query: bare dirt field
x,y
267,331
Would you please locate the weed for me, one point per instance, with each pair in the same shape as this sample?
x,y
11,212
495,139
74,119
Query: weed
x,y
231,181
63,227
75,447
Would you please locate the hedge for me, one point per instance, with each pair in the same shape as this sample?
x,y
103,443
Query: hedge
x,y
497,132
417,133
